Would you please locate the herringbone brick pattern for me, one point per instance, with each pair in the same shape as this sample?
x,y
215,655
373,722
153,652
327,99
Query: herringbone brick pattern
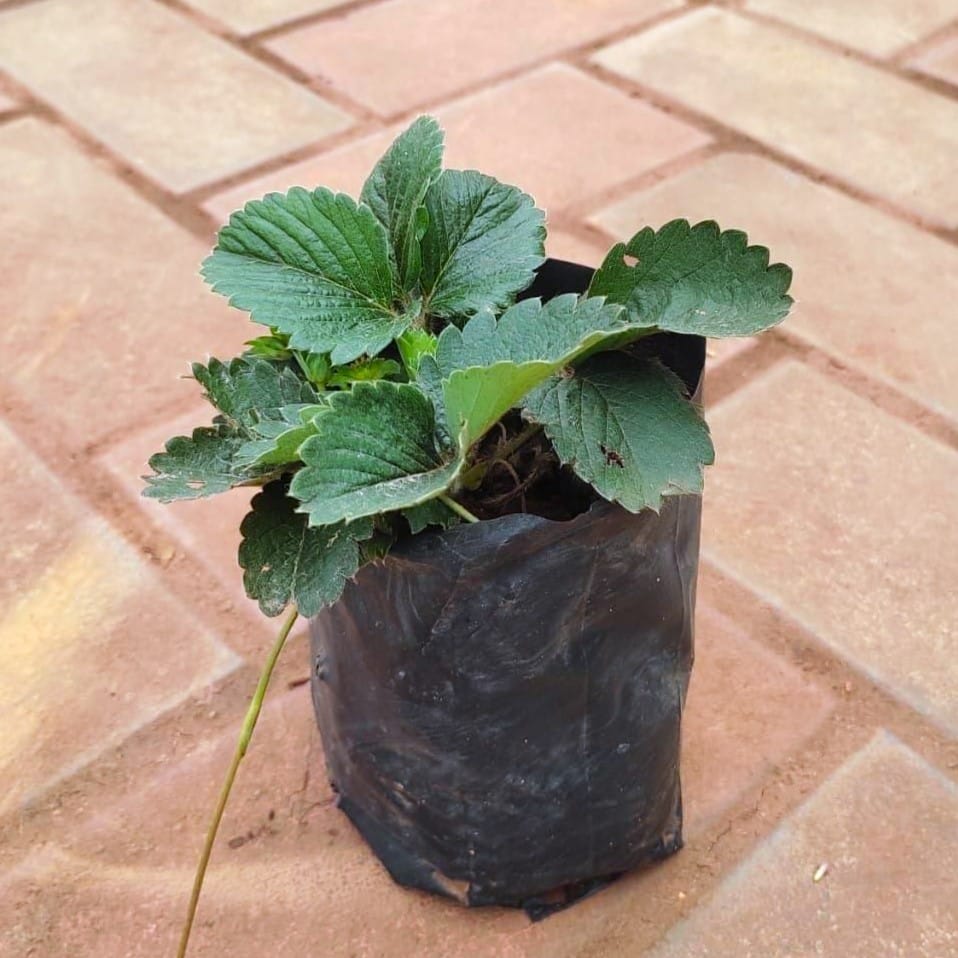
x,y
821,743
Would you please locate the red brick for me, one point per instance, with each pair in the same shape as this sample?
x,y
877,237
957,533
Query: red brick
x,y
510,132
182,106
884,825
889,25
719,351
563,245
841,515
940,61
99,329
400,54
250,16
91,647
797,97
305,871
304,880
344,170
748,710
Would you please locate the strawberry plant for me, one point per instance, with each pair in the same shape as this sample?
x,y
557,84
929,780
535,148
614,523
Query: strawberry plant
x,y
399,384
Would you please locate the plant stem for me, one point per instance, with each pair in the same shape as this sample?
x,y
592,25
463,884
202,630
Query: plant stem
x,y
458,509
298,356
477,473
249,723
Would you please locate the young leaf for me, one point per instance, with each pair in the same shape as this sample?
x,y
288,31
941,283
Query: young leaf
x,y
365,370
248,392
625,426
193,467
285,561
695,279
314,265
374,451
316,367
488,367
431,513
429,380
477,397
277,441
482,245
413,345
269,346
396,189
560,330
247,388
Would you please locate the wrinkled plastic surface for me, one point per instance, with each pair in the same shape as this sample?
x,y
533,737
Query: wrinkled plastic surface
x,y
500,703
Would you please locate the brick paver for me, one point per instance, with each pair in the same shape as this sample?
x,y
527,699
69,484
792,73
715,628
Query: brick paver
x,y
106,65
563,245
91,274
250,16
720,350
297,870
91,647
835,113
509,131
376,54
307,852
884,824
940,61
881,28
842,515
829,133
871,290
747,711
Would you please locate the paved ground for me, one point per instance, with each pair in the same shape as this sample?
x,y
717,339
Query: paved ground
x,y
822,723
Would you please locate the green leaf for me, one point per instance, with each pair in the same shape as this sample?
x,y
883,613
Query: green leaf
x,y
193,467
478,397
558,331
625,426
250,393
396,189
284,560
429,380
246,388
316,367
483,244
314,265
277,441
695,280
488,367
413,345
431,513
269,347
374,451
365,370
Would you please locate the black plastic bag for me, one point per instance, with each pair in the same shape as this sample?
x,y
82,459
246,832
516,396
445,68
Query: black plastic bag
x,y
500,703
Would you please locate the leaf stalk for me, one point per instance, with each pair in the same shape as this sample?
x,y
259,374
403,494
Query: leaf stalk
x,y
246,733
457,508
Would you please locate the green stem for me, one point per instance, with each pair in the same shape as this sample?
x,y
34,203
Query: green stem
x,y
249,723
298,356
473,476
458,509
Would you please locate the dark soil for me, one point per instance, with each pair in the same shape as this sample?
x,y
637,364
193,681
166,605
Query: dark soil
x,y
530,479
